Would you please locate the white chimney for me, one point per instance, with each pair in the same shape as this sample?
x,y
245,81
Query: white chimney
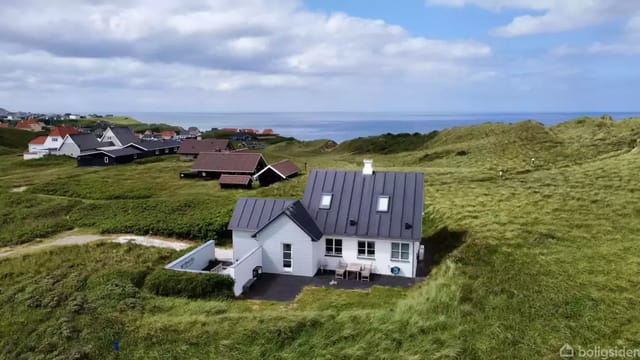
x,y
368,167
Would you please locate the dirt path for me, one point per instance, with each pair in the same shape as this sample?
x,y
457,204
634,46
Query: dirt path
x,y
87,238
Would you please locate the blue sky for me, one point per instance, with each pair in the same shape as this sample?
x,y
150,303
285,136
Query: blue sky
x,y
320,55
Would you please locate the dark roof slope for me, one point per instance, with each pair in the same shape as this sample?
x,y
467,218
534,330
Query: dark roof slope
x,y
253,213
114,152
235,179
192,146
155,144
354,198
286,168
299,215
229,162
86,142
124,134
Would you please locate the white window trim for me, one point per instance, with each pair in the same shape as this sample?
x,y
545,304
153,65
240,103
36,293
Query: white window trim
x,y
400,259
380,197
287,269
333,246
366,249
322,197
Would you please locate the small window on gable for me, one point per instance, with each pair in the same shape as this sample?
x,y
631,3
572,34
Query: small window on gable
x,y
325,201
383,203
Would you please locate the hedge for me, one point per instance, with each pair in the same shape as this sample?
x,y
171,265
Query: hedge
x,y
166,282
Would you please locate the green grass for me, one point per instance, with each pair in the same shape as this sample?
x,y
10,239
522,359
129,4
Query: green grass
x,y
16,141
549,256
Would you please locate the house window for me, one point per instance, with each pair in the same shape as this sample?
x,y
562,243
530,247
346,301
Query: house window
x,y
367,249
54,139
166,151
399,251
106,159
286,257
325,201
333,247
157,152
383,203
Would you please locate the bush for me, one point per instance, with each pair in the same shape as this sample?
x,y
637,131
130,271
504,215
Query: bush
x,y
165,282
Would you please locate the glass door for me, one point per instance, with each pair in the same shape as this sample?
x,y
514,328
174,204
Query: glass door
x,y
286,257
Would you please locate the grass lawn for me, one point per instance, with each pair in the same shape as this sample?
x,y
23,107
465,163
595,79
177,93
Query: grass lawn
x,y
549,256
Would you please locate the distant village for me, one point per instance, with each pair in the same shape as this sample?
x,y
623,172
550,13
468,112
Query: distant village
x,y
230,157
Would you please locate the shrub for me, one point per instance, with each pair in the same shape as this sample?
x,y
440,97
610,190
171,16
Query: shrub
x,y
165,282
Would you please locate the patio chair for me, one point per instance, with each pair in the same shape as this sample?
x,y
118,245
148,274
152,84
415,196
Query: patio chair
x,y
365,273
341,269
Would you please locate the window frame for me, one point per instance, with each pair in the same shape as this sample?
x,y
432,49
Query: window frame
x,y
290,260
333,246
381,197
400,251
369,247
324,196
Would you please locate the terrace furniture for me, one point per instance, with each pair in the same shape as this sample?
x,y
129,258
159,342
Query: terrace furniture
x,y
365,273
354,267
340,270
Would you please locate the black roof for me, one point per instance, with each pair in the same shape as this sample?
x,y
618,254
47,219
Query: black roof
x,y
86,141
354,200
156,144
299,215
114,152
124,134
253,213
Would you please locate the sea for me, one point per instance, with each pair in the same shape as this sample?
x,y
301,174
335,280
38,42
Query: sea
x,y
340,126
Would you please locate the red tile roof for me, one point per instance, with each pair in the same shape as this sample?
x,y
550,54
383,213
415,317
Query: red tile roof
x,y
168,134
228,162
192,147
4,125
267,131
235,179
63,131
23,125
38,141
286,168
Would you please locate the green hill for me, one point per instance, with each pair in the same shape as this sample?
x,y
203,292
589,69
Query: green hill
x,y
524,263
16,141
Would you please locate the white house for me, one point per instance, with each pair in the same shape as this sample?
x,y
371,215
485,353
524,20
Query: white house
x,y
76,144
345,217
119,136
50,144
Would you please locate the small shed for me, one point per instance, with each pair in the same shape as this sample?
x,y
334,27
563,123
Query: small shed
x,y
278,171
235,181
108,157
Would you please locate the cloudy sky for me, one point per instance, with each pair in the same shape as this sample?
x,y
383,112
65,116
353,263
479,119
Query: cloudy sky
x,y
319,55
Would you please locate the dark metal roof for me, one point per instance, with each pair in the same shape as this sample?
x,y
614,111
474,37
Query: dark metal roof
x,y
86,142
228,162
193,147
253,213
354,200
113,152
124,134
235,179
299,215
155,144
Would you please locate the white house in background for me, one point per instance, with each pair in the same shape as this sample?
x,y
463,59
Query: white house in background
x,y
76,144
48,145
119,136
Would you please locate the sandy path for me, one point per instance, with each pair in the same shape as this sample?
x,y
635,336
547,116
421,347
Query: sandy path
x,y
84,239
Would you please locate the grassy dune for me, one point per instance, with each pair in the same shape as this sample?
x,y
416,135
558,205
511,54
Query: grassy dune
x,y
545,255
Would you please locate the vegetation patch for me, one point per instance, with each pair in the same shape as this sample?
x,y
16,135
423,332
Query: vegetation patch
x,y
166,282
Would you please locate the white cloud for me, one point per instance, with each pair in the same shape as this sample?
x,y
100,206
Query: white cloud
x,y
557,15
214,45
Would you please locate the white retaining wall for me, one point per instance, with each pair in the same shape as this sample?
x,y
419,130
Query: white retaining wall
x,y
195,260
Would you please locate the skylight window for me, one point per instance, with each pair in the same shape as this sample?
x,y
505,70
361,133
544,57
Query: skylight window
x,y
325,201
383,203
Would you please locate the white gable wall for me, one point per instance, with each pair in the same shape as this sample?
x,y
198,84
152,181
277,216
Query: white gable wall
x,y
53,142
281,231
382,262
243,243
109,136
69,148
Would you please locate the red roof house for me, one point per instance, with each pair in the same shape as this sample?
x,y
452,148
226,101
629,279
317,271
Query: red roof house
x,y
40,140
167,135
4,125
63,131
29,125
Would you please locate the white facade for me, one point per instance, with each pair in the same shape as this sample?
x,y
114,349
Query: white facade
x,y
69,148
108,135
308,255
195,260
53,143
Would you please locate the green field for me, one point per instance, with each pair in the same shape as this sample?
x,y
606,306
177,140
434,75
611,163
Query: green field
x,y
545,255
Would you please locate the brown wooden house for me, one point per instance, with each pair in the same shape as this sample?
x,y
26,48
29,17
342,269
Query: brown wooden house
x,y
278,171
213,164
190,148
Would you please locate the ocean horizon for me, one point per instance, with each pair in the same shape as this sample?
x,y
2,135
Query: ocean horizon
x,y
341,126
